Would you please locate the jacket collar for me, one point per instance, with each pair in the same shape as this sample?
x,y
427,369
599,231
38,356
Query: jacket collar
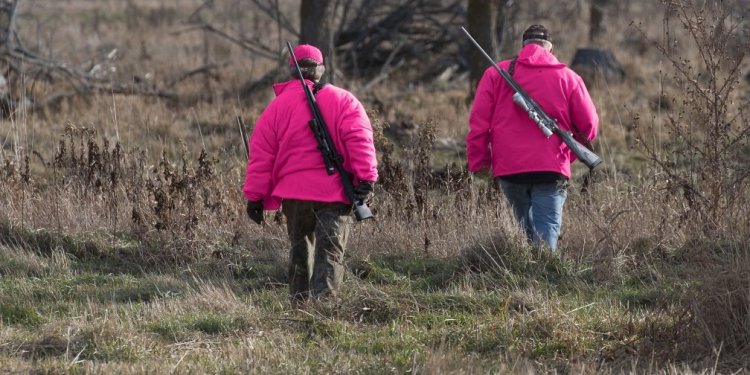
x,y
293,84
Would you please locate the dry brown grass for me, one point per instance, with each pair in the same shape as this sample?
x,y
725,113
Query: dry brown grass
x,y
122,227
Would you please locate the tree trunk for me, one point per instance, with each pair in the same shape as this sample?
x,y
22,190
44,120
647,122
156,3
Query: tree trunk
x,y
316,21
500,26
482,16
7,28
596,19
7,22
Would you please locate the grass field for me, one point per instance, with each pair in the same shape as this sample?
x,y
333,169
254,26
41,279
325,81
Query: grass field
x,y
124,247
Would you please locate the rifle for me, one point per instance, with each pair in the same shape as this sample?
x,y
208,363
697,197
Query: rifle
x,y
334,162
243,134
545,123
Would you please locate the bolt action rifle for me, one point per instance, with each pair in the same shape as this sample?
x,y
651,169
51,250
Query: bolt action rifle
x,y
334,162
545,123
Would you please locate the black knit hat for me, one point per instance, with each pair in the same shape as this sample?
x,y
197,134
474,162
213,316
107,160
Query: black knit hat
x,y
536,32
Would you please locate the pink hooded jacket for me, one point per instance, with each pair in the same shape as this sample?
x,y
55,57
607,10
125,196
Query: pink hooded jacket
x,y
502,135
285,162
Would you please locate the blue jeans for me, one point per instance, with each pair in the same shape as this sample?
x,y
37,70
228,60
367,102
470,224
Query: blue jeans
x,y
538,208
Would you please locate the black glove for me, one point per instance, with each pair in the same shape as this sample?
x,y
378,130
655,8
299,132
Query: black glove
x,y
255,211
363,190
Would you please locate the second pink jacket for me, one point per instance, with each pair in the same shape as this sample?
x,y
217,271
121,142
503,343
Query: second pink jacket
x,y
502,136
285,162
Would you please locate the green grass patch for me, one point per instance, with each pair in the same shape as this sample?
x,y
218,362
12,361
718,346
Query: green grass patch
x,y
400,309
638,298
403,270
104,288
16,313
179,328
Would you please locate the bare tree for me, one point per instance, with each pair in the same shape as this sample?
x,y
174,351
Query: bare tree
x,y
482,16
371,39
7,21
18,61
316,22
596,19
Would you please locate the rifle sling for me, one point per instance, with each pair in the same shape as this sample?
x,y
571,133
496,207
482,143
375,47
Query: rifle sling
x,y
317,87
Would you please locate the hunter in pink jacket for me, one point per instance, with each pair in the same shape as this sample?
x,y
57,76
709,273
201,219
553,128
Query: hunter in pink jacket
x,y
285,162
286,169
501,134
532,169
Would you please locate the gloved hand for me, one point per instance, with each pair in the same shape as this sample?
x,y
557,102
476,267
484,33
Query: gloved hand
x,y
363,190
255,211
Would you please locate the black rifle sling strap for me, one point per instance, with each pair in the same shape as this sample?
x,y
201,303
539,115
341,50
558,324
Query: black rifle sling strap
x,y
512,65
317,87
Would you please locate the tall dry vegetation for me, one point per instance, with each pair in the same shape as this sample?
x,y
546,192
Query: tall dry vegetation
x,y
670,212
704,157
705,161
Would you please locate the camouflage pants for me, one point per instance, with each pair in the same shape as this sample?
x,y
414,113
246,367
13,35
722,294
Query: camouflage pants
x,y
318,232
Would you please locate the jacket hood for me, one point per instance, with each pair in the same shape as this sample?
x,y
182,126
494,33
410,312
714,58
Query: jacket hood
x,y
536,55
280,87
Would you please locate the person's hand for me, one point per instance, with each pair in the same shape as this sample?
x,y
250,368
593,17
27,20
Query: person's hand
x,y
255,211
363,190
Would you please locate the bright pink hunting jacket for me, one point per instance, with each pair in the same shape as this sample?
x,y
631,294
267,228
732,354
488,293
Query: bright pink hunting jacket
x,y
502,135
285,162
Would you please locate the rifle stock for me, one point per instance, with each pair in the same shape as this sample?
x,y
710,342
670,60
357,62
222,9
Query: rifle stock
x,y
545,123
331,157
